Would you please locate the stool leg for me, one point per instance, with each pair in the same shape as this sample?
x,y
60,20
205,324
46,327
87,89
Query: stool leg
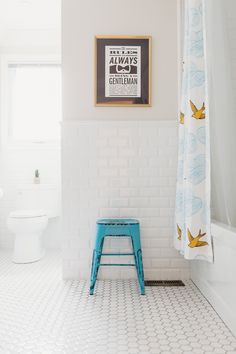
x,y
96,257
138,257
141,274
93,272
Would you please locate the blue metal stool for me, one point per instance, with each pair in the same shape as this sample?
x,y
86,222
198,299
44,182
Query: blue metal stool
x,y
117,228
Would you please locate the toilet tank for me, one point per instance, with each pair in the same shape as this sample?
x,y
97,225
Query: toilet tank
x,y
44,197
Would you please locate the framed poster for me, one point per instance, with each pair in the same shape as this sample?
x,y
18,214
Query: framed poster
x,y
123,71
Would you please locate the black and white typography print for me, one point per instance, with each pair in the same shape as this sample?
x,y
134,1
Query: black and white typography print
x,y
123,71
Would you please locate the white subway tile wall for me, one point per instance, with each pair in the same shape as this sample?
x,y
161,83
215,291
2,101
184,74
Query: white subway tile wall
x,y
120,169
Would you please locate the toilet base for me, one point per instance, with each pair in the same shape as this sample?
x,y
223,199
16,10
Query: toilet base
x,y
28,248
29,260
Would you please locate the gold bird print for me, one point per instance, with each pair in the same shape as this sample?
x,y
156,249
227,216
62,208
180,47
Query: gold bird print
x,y
198,113
181,118
195,241
179,232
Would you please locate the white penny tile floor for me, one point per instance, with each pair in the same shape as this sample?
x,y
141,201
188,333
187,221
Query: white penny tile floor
x,y
40,313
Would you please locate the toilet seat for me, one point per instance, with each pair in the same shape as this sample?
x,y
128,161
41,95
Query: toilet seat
x,y
26,214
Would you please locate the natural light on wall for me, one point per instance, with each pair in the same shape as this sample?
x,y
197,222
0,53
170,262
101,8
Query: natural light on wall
x,y
34,104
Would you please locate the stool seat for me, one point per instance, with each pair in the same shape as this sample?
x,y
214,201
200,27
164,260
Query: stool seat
x,y
117,221
113,228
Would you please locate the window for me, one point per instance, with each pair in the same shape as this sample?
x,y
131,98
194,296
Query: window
x,y
34,103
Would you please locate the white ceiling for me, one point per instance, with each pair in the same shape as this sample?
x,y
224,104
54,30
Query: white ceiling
x,y
26,22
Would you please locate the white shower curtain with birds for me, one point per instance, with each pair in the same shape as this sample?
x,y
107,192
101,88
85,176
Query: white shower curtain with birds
x,y
192,215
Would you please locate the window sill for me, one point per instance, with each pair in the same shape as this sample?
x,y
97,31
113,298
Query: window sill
x,y
34,145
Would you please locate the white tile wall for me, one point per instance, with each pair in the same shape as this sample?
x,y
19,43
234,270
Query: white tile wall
x,y
17,168
120,169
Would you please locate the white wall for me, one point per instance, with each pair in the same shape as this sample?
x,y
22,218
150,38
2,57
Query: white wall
x,y
17,168
120,169
19,161
27,29
83,20
119,162
30,24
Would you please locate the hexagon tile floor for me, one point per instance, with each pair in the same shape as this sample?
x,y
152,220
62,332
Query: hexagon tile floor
x,y
40,313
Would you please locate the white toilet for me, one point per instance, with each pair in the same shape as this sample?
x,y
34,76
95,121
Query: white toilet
x,y
35,204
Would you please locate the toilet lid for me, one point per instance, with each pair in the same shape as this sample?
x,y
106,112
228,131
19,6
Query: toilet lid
x,y
27,213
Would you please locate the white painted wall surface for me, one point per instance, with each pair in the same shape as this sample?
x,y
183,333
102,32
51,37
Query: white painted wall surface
x,y
81,21
18,161
17,168
119,162
30,24
27,28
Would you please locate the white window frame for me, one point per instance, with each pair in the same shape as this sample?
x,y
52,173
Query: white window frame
x,y
6,139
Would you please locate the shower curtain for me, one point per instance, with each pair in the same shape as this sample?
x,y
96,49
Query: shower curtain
x,y
192,214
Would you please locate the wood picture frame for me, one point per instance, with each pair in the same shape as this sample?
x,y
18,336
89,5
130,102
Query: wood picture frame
x,y
123,71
